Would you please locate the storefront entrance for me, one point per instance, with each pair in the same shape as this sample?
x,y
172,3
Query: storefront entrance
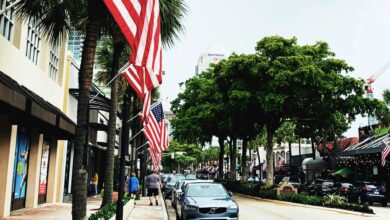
x,y
44,170
19,183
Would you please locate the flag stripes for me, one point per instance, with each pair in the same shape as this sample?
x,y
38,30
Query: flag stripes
x,y
385,153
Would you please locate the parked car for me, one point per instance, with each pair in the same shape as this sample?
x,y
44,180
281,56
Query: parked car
x,y
364,191
171,181
177,189
206,201
190,176
321,187
343,189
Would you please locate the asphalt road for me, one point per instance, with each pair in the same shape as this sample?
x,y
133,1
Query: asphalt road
x,y
260,209
251,209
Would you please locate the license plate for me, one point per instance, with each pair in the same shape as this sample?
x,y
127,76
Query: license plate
x,y
376,193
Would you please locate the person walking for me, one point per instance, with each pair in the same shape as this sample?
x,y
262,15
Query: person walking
x,y
153,183
132,185
94,182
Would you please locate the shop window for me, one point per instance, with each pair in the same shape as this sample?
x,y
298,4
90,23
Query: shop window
x,y
7,18
33,41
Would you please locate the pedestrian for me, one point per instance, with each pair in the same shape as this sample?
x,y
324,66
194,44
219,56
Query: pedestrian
x,y
132,185
94,182
153,183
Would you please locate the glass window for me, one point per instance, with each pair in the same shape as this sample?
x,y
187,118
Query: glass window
x,y
33,41
53,63
206,190
7,18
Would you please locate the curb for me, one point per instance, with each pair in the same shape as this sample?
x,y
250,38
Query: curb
x,y
164,207
309,206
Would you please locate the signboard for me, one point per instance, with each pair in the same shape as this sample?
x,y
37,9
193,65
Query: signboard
x,y
44,169
286,188
20,167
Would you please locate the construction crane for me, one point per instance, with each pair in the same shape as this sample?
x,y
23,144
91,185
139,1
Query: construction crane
x,y
370,81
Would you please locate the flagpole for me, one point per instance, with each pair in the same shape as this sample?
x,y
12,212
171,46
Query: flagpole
x,y
139,113
136,135
112,80
142,145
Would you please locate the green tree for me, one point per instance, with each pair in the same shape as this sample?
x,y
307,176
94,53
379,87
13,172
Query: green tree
x,y
303,84
185,156
383,113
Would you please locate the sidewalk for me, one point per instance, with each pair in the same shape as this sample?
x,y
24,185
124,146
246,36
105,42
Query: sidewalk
x,y
142,210
60,211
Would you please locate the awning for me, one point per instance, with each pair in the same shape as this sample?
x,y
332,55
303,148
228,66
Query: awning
x,y
343,171
368,146
99,103
29,108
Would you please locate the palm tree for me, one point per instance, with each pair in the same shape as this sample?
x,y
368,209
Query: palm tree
x,y
56,17
87,16
110,58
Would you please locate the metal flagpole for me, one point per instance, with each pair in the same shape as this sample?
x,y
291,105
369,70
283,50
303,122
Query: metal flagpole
x,y
116,76
139,113
142,145
136,135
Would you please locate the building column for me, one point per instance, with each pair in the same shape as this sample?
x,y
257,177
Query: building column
x,y
53,172
34,168
8,135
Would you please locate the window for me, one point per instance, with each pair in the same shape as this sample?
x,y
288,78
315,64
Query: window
x,y
33,41
6,18
53,63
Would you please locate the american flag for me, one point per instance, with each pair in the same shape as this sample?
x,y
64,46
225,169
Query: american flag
x,y
264,166
154,159
156,130
139,21
385,153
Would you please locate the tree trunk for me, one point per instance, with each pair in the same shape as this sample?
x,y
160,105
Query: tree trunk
x,y
290,156
260,168
220,159
313,149
243,159
79,178
270,159
233,160
109,163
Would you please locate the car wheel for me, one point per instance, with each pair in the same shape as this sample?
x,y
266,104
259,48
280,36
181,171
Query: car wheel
x,y
384,204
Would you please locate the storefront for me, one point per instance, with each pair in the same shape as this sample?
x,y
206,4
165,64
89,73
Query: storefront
x,y
31,130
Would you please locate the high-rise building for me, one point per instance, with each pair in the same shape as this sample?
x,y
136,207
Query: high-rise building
x,y
75,45
213,54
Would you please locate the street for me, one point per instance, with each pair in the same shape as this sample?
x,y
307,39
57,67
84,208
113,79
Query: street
x,y
265,209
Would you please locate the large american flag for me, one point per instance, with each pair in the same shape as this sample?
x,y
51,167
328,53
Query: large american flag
x,y
156,130
139,21
385,153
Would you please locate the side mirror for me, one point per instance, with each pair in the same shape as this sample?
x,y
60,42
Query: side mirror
x,y
230,194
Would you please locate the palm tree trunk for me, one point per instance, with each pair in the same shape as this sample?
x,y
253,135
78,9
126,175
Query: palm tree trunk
x,y
109,175
220,159
243,159
79,178
270,159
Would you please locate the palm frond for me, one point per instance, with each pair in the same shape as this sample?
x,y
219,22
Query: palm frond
x,y
172,12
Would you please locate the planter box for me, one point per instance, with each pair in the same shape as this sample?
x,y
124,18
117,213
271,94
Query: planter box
x,y
126,210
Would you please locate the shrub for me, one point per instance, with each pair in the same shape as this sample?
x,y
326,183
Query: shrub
x,y
334,200
299,198
267,194
108,210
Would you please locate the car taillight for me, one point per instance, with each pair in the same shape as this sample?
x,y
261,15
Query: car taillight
x,y
366,189
384,190
345,189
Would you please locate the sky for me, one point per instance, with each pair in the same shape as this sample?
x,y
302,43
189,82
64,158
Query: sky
x,y
358,31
